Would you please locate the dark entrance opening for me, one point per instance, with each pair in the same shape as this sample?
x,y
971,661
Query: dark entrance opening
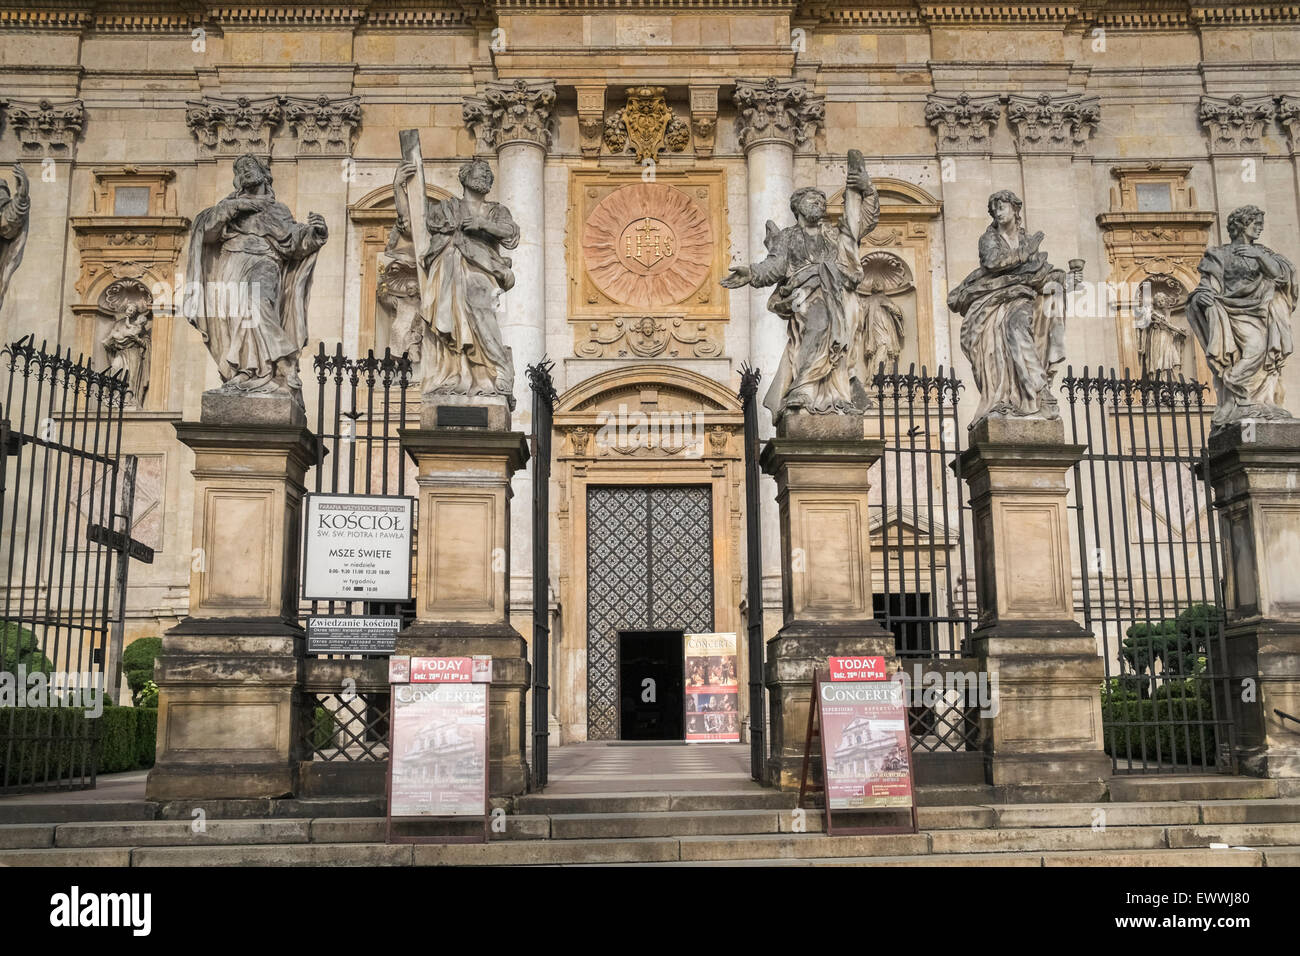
x,y
651,685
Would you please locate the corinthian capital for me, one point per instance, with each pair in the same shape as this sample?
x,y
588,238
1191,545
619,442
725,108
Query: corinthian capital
x,y
1236,123
47,128
1053,123
324,125
515,111
232,127
1288,114
963,123
773,110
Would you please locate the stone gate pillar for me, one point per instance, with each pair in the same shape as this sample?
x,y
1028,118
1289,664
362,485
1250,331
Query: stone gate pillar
x,y
228,713
1255,471
462,573
820,464
1045,739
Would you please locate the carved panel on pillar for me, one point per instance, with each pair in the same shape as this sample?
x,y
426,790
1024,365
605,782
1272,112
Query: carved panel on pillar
x,y
1154,238
231,127
591,119
512,112
776,110
323,125
47,128
133,237
1053,123
643,262
1235,124
963,123
704,118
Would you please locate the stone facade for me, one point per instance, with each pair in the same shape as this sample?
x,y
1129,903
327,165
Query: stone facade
x,y
641,153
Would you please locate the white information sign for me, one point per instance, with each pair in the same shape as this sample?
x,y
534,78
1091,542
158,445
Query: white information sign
x,y
357,548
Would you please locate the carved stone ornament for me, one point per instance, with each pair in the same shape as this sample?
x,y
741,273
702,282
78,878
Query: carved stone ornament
x,y
15,212
647,245
963,123
704,118
648,337
591,118
511,112
646,125
774,110
324,125
47,129
1288,114
884,277
232,127
1236,123
1053,123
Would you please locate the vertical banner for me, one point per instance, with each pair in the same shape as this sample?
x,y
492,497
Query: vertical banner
x,y
438,762
712,688
865,743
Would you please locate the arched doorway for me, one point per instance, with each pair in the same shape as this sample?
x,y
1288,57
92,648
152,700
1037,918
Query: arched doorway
x,y
649,509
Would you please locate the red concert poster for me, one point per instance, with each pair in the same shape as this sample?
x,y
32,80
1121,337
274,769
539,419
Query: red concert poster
x,y
865,744
712,688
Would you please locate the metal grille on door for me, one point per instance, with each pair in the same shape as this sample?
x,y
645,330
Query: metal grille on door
x,y
649,565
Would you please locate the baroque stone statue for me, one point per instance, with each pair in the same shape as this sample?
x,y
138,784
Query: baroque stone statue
x,y
1241,313
885,277
816,270
1013,317
14,210
126,344
1159,342
248,281
461,272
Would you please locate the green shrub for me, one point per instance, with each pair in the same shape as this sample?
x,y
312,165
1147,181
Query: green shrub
x,y
148,696
146,737
1130,729
137,663
117,739
19,647
323,728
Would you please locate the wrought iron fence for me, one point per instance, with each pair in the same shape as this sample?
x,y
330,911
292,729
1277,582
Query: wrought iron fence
x,y
60,436
543,388
919,521
1149,582
360,406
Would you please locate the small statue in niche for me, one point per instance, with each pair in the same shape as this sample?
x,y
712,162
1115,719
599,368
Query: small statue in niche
x,y
126,345
1241,313
1013,317
885,276
1159,341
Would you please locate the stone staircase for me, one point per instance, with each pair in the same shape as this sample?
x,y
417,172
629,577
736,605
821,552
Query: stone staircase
x,y
1207,821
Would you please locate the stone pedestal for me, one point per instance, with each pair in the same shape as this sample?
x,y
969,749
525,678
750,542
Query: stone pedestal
x,y
826,587
1045,739
463,573
1255,470
229,674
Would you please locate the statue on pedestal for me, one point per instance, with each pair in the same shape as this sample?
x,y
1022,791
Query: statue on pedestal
x,y
1013,325
14,210
248,280
1241,313
816,269
460,269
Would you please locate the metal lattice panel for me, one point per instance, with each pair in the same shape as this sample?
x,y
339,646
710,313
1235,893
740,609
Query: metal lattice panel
x,y
649,564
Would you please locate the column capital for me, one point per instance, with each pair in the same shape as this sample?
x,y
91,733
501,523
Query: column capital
x,y
1052,123
512,111
232,127
46,128
1288,114
1235,124
323,125
963,123
777,111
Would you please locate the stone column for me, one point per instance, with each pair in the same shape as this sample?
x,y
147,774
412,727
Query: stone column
x,y
515,118
1045,739
773,117
820,464
1255,470
1235,126
462,583
228,715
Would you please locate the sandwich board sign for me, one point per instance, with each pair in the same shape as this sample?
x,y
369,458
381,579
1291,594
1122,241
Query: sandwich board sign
x,y
438,753
859,716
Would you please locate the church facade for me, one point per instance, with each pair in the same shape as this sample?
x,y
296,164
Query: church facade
x,y
642,150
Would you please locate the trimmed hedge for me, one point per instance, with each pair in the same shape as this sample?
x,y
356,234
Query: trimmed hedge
x,y
137,664
1177,743
127,739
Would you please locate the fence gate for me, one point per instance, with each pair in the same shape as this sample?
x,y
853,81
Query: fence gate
x,y
754,576
60,435
361,404
1149,570
925,596
539,379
